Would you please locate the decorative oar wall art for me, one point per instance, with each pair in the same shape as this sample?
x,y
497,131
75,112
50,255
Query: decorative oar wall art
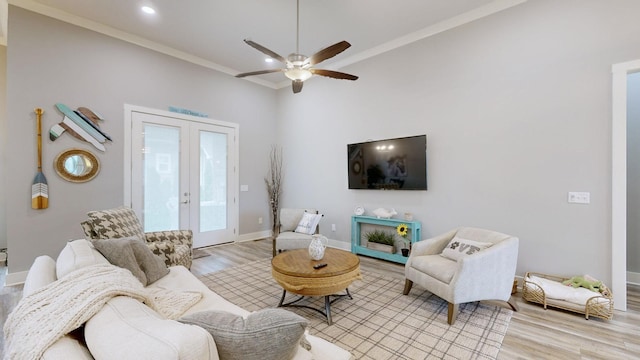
x,y
82,124
39,188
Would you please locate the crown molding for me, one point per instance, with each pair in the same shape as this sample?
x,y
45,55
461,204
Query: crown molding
x,y
127,37
442,26
437,28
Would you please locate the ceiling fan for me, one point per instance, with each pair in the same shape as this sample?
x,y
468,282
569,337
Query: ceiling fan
x,y
300,67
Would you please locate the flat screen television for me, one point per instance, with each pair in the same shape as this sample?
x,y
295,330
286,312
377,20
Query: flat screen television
x,y
391,164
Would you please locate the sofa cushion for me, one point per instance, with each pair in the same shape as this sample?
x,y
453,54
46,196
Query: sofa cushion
x,y
269,334
436,266
67,348
127,329
42,272
132,254
459,247
75,255
308,223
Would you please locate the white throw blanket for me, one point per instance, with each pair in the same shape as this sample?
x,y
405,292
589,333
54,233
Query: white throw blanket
x,y
52,311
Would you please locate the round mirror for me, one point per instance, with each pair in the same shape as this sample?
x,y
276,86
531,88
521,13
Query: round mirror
x,y
76,165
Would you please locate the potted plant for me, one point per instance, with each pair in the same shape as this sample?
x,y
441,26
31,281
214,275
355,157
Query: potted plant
x,y
402,230
381,241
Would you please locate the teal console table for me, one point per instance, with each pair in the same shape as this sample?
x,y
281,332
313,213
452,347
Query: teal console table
x,y
414,227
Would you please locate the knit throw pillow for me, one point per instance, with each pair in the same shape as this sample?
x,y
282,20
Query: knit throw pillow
x,y
269,334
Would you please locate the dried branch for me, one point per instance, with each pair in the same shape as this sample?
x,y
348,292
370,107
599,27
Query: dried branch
x,y
273,181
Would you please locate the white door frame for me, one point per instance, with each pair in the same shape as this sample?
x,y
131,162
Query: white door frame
x,y
619,181
235,177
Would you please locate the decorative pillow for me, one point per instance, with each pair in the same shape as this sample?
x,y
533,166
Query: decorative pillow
x,y
133,255
115,223
269,334
459,248
308,223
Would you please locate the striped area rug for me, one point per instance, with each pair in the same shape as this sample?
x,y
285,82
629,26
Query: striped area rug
x,y
379,323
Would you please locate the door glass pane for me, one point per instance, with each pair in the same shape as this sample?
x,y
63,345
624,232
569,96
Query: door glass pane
x,y
161,154
213,181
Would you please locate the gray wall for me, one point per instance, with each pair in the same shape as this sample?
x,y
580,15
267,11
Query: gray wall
x,y
517,112
3,142
633,173
516,108
51,61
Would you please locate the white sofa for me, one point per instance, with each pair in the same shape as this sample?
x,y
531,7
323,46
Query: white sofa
x,y
127,329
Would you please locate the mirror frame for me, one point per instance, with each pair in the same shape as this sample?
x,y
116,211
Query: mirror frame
x,y
58,165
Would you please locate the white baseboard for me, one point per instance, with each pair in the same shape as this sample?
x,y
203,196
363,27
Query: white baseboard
x,y
633,278
16,278
337,244
254,236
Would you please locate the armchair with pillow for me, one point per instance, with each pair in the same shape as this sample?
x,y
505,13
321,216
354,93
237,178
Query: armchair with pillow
x,y
295,228
174,246
464,265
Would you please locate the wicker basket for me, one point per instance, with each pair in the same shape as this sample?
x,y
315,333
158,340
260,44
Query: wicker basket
x,y
599,306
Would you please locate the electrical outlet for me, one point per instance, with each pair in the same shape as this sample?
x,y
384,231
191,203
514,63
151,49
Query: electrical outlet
x,y
259,220
579,197
333,227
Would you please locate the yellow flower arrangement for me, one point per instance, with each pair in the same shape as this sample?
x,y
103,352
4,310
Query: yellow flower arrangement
x,y
402,230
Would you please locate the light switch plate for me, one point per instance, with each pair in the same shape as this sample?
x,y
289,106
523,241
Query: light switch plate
x,y
576,197
244,187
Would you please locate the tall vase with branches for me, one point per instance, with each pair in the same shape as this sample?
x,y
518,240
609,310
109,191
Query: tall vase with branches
x,y
273,181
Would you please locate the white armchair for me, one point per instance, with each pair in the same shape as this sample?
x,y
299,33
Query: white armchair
x,y
285,237
483,275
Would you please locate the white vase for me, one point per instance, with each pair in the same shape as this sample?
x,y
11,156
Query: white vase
x,y
317,246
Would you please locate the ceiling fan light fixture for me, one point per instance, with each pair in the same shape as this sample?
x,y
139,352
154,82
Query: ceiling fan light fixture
x,y
298,74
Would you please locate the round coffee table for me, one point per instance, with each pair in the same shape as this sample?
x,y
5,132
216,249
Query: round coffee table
x,y
294,271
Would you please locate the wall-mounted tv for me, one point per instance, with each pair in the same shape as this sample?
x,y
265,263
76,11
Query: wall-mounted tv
x,y
391,164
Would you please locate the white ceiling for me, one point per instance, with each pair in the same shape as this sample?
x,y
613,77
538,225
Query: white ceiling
x,y
211,32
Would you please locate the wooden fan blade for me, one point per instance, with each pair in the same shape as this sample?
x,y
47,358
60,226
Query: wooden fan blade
x,y
297,86
259,72
265,51
333,74
328,52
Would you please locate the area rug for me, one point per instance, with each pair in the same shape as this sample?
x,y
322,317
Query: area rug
x,y
379,323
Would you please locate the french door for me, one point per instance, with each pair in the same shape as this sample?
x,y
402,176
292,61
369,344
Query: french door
x,y
183,175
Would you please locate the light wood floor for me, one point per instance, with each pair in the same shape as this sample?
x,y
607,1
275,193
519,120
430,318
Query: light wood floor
x,y
534,333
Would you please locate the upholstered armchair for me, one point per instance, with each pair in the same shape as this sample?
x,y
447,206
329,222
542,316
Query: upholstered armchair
x,y
174,246
484,269
286,237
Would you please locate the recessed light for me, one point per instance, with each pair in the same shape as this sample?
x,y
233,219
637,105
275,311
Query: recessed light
x,y
148,10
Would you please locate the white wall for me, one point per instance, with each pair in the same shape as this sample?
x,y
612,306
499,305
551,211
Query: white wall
x,y
517,112
49,62
3,142
633,174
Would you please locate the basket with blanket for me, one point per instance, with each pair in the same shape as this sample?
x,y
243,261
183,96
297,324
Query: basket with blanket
x,y
583,295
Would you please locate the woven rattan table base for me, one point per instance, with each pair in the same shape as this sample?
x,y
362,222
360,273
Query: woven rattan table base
x,y
294,271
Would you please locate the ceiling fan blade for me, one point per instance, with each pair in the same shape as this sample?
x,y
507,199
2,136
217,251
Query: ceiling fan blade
x,y
259,72
297,86
333,74
328,52
265,51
